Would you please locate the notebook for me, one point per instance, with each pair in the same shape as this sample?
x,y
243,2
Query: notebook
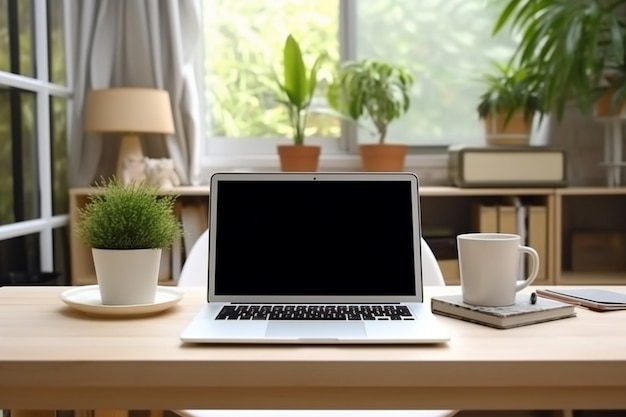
x,y
314,258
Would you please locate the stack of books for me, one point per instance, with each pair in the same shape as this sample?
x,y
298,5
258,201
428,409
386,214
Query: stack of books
x,y
530,221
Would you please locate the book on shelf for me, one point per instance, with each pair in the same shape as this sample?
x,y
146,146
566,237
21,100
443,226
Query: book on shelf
x,y
522,313
507,219
485,218
538,236
596,299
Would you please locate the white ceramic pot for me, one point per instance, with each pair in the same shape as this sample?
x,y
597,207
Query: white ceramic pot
x,y
127,277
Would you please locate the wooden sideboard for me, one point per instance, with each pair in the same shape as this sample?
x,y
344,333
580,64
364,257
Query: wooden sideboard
x,y
191,207
585,239
587,220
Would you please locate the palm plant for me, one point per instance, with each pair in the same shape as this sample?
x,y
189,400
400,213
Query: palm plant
x,y
578,47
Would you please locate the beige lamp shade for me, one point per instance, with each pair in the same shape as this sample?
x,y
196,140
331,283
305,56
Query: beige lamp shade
x,y
129,112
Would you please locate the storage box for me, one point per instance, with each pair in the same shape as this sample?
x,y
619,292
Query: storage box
x,y
599,252
507,166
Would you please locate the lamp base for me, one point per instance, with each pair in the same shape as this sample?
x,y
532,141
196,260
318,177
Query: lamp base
x,y
130,156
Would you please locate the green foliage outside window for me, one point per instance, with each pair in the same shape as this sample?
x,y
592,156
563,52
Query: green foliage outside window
x,y
23,103
446,44
241,69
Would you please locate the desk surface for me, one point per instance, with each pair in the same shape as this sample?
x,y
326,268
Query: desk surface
x,y
53,357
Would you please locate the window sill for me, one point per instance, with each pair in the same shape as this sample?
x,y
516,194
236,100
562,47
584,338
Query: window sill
x,y
432,169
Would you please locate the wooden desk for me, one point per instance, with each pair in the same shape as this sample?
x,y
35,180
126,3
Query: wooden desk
x,y
52,357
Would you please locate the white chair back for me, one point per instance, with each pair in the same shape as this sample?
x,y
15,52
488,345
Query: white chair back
x,y
431,272
195,270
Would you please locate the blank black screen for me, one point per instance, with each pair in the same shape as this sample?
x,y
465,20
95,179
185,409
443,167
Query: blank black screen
x,y
314,238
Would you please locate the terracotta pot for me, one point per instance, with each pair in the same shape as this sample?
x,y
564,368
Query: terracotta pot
x,y
303,158
383,158
515,132
127,277
602,107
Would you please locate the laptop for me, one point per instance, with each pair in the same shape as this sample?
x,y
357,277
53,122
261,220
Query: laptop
x,y
314,258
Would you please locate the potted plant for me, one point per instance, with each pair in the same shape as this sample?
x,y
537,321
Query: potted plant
x,y
298,86
127,226
378,91
576,46
509,104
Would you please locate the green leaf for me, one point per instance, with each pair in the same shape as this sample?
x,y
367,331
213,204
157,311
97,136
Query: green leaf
x,y
312,81
295,73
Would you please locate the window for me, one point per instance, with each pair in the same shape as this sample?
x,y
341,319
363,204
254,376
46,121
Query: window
x,y
34,103
243,55
447,45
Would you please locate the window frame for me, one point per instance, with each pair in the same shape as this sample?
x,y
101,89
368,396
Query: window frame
x,y
338,154
44,90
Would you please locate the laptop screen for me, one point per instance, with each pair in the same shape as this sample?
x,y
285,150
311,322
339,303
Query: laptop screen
x,y
310,236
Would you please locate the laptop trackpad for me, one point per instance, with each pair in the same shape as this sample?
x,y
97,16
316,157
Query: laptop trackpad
x,y
315,330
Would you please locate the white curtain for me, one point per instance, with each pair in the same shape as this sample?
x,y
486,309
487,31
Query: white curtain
x,y
138,43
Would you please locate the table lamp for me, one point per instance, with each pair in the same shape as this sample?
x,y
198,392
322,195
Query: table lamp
x,y
128,111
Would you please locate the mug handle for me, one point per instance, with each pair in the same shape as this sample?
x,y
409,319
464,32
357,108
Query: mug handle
x,y
534,268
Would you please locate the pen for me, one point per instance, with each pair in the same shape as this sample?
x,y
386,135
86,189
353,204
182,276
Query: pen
x,y
533,298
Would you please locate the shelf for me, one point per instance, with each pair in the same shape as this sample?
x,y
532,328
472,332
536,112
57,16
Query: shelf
x,y
589,211
445,210
187,190
571,191
430,191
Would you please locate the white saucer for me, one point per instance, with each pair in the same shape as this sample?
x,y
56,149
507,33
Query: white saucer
x,y
87,299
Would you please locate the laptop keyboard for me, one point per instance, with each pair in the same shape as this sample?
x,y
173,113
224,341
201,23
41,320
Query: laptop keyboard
x,y
314,312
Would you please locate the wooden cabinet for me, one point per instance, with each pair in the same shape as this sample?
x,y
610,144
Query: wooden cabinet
x,y
585,228
577,220
590,229
191,208
449,211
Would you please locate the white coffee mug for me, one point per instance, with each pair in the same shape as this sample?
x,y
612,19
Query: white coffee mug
x,y
490,268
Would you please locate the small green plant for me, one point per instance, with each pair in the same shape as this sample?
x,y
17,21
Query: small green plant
x,y
298,86
510,89
132,216
374,89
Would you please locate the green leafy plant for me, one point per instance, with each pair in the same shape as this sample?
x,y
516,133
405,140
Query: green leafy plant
x,y
373,89
298,86
132,216
576,45
510,89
